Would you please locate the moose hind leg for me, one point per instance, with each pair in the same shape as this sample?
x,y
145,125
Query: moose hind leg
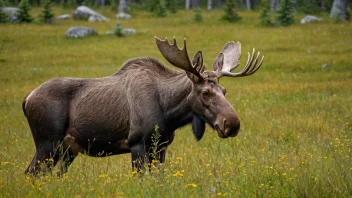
x,y
44,159
66,159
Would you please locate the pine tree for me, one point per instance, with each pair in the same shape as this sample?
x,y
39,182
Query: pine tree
x,y
264,18
3,16
285,14
160,8
230,15
46,16
198,15
23,14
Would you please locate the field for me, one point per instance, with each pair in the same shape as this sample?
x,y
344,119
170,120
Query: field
x,y
296,116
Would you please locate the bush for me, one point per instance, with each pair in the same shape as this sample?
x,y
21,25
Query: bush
x,y
160,8
285,14
230,15
23,15
118,31
198,15
46,16
3,16
264,17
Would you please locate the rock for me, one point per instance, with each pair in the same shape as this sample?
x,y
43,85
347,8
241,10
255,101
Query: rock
x,y
310,18
80,31
123,15
11,12
325,65
109,32
84,12
128,31
63,17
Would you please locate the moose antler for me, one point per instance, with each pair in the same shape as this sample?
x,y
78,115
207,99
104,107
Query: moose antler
x,y
180,58
228,60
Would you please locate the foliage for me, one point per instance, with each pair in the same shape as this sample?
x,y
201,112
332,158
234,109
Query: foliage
x,y
285,13
296,124
46,16
198,15
118,30
160,8
264,17
172,6
23,14
230,14
3,16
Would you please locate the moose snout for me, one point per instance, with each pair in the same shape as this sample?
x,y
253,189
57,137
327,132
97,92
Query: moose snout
x,y
228,127
231,129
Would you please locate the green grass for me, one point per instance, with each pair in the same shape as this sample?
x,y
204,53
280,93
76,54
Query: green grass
x,y
296,130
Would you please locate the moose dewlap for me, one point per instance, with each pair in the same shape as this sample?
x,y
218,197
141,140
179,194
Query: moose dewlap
x,y
118,113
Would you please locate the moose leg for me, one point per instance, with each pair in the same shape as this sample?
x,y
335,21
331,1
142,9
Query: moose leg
x,y
45,158
139,156
65,161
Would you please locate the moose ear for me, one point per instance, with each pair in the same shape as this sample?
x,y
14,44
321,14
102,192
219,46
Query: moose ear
x,y
198,127
218,62
197,63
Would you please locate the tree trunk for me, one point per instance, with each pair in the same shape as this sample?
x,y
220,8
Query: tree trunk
x,y
102,3
338,9
188,4
122,6
322,6
273,5
248,4
210,4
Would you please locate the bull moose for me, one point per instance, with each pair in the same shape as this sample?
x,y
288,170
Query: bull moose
x,y
118,114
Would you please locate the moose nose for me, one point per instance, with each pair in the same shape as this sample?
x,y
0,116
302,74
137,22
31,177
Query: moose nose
x,y
231,128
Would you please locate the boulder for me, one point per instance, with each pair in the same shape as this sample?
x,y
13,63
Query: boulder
x,y
123,15
84,12
11,12
310,18
63,17
80,31
128,31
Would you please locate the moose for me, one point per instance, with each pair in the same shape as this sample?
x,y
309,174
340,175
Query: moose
x,y
118,114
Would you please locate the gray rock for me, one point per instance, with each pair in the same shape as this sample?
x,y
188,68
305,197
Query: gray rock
x,y
128,31
63,17
11,12
325,65
80,31
123,15
310,18
84,12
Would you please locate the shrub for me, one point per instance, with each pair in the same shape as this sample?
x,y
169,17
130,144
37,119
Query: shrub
x,y
264,17
160,8
230,15
198,15
3,16
23,15
285,14
46,16
118,31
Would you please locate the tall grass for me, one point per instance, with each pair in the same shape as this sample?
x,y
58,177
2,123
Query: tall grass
x,y
296,130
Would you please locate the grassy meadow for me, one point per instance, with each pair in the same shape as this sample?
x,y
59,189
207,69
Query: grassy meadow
x,y
296,130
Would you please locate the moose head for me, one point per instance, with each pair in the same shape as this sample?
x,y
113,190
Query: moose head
x,y
207,98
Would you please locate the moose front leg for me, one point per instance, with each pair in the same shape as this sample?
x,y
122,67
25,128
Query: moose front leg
x,y
139,157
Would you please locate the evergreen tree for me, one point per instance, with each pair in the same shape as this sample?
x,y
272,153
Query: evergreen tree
x,y
230,15
160,8
173,6
285,13
23,14
198,15
3,16
265,18
118,31
46,16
